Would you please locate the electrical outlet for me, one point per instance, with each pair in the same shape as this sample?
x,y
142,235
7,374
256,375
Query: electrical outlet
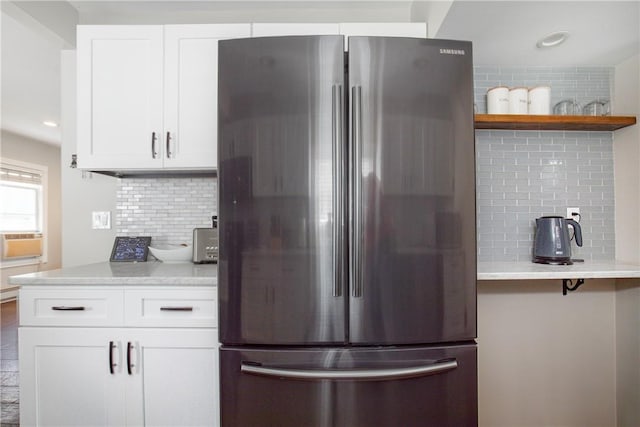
x,y
101,220
573,213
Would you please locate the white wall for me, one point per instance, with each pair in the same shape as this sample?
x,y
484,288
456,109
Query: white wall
x,y
82,193
545,359
626,157
627,183
25,149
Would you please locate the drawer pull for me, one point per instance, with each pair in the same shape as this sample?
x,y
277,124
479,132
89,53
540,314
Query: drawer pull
x,y
176,308
65,308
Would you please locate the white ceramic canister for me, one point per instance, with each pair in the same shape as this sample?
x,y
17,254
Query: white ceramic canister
x,y
518,100
498,100
540,100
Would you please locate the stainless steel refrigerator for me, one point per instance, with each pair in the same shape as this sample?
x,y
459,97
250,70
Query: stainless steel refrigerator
x,y
347,267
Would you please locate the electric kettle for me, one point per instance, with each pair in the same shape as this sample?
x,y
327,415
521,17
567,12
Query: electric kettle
x,y
552,242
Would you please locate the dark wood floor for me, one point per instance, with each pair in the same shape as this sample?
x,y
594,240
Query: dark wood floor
x,y
9,395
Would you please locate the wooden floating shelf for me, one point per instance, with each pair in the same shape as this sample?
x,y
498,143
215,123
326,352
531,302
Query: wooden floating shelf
x,y
534,122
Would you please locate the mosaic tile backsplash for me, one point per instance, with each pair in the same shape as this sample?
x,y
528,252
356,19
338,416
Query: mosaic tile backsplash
x,y
521,176
167,209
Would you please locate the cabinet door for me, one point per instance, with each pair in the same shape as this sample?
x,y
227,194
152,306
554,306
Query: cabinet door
x,y
191,92
174,379
65,377
119,97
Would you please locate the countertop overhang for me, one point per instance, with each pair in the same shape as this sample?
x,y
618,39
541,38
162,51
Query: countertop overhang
x,y
524,270
125,273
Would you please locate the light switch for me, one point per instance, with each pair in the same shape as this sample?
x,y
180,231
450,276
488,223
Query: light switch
x,y
101,220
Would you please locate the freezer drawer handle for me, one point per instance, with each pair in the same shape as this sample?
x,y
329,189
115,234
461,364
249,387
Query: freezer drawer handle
x,y
356,374
65,308
176,308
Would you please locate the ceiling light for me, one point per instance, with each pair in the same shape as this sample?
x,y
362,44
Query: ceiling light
x,y
553,39
50,124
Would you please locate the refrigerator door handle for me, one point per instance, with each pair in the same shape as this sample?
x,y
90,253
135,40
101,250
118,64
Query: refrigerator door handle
x,y
356,132
355,374
338,242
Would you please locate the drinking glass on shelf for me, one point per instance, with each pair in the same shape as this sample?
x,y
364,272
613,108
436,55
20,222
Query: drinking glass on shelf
x,y
567,107
596,108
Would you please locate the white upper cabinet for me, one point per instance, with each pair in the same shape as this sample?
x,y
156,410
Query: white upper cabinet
x,y
191,92
119,96
147,95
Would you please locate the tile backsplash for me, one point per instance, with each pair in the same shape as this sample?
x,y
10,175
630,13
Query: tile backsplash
x,y
581,84
522,175
167,209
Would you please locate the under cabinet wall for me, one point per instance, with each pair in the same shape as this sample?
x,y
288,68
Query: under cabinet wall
x,y
523,175
545,359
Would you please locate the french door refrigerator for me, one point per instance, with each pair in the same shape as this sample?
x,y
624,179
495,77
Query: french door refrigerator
x,y
347,268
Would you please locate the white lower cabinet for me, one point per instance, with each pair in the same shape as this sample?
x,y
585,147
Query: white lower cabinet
x,y
65,380
119,376
177,378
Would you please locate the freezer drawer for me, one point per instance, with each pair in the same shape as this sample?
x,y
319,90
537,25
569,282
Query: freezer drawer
x,y
382,386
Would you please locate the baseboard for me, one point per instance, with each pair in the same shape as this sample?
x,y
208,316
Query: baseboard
x,y
9,294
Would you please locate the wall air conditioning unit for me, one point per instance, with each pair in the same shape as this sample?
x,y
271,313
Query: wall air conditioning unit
x,y
21,245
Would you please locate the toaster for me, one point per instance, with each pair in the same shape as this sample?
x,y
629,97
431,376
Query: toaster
x,y
205,245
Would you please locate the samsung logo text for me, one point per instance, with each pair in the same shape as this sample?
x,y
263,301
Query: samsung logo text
x,y
452,51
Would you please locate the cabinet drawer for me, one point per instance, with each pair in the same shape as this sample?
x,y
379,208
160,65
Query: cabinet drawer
x,y
171,308
71,307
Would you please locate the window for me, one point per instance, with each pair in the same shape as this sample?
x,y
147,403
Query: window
x,y
22,201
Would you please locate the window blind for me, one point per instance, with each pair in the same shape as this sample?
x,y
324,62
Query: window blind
x,y
19,175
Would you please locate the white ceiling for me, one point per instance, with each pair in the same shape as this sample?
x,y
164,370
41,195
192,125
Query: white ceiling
x,y
30,81
502,32
506,32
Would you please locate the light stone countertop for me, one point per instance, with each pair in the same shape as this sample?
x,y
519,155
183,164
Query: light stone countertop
x,y
579,270
189,274
125,273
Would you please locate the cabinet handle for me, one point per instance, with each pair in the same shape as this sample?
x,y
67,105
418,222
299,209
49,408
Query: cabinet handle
x,y
154,153
168,145
176,308
129,364
65,308
112,365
